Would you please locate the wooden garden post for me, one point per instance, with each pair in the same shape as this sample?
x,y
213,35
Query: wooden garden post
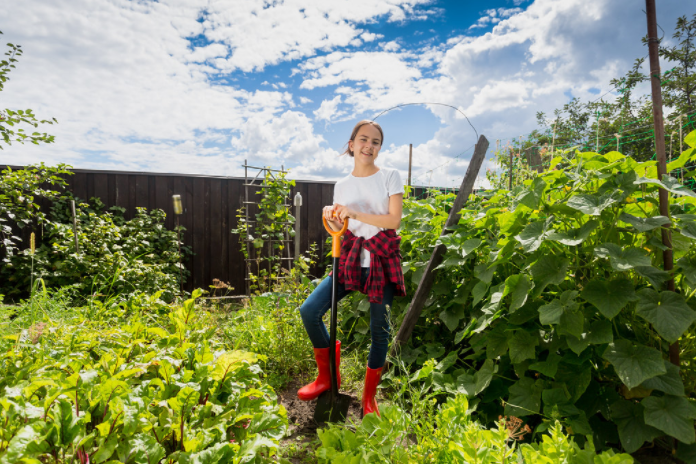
x,y
655,75
426,282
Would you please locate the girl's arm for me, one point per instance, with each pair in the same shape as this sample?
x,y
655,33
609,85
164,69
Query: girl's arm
x,y
384,221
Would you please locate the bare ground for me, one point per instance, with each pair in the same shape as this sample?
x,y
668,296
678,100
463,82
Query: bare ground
x,y
302,430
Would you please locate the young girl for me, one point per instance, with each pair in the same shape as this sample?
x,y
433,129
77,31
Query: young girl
x,y
372,198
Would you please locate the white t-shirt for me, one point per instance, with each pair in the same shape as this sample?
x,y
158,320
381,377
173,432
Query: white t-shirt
x,y
368,195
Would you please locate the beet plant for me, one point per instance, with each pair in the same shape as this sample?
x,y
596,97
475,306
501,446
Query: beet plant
x,y
115,389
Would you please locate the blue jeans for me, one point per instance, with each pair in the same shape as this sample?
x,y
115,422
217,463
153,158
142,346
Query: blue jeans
x,y
316,305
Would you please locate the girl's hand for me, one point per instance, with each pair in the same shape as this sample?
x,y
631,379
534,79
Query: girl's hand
x,y
333,222
344,212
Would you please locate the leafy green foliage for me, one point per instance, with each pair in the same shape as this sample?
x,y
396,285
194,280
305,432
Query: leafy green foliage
x,y
111,389
268,233
451,437
11,118
562,293
117,256
20,192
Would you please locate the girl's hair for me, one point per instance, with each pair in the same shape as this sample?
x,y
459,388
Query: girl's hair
x,y
355,133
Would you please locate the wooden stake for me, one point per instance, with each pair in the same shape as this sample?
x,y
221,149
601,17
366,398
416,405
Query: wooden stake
x,y
655,75
426,282
410,162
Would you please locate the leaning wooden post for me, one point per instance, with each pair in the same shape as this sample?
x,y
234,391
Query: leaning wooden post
x,y
74,226
653,46
426,282
410,161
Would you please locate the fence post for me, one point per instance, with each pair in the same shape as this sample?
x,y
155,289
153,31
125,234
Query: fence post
x,y
667,256
74,226
410,161
298,205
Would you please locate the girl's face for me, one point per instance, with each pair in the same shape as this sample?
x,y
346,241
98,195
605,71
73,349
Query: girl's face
x,y
366,145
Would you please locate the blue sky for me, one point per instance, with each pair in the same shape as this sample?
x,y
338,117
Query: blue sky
x,y
198,86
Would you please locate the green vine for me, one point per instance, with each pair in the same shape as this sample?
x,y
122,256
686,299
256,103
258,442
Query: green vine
x,y
267,232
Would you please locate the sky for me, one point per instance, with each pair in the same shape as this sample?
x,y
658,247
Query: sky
x,y
203,86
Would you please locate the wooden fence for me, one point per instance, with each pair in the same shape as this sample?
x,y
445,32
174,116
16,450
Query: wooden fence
x,y
211,207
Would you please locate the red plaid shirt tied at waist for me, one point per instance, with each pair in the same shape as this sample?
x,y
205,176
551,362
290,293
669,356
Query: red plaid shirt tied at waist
x,y
385,264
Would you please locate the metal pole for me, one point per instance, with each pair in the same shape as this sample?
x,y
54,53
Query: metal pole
x,y
178,210
297,201
553,141
410,161
653,50
597,143
74,226
246,225
510,180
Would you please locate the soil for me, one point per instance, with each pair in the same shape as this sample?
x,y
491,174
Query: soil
x,y
302,430
301,413
655,456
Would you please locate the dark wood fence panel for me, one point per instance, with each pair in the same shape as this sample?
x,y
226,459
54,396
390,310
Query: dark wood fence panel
x,y
211,206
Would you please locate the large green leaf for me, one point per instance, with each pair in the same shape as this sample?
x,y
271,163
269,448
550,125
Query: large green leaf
x,y
655,276
531,196
688,269
633,431
690,139
674,415
622,259
224,452
534,234
522,346
688,229
592,205
645,224
548,367
666,311
670,382
599,333
28,442
469,246
518,286
525,397
550,269
564,312
472,385
609,297
557,403
144,449
634,364
573,237
668,183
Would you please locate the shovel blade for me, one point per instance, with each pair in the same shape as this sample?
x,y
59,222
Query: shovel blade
x,y
330,409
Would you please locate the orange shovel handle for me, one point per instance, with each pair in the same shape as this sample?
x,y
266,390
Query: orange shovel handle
x,y
335,236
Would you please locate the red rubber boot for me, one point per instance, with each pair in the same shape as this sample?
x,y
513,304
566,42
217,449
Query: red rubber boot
x,y
323,381
372,378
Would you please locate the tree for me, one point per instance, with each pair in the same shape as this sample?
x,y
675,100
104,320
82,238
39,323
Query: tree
x,y
10,119
679,85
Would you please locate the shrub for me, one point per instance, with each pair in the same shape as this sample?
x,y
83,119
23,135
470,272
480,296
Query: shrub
x,y
117,256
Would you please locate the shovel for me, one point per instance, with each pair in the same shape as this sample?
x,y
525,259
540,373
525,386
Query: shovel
x,y
332,406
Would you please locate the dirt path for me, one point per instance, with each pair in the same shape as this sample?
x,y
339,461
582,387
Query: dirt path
x,y
302,430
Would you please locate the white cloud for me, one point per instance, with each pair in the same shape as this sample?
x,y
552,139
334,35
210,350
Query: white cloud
x,y
328,110
305,100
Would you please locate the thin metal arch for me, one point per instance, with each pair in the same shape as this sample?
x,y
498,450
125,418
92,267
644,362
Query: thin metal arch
x,y
429,103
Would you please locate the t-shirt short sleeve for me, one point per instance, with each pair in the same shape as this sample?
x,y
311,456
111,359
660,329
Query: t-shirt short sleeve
x,y
394,184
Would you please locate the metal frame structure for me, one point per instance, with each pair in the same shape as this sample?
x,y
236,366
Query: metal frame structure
x,y
251,182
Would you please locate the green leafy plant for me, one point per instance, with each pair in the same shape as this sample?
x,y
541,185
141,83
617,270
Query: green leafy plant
x,y
11,118
109,389
269,239
452,437
117,256
551,297
20,192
